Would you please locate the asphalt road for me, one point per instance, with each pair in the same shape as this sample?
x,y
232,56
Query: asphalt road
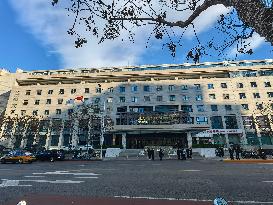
x,y
135,182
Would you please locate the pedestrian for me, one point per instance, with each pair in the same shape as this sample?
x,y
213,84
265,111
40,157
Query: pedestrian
x,y
222,151
178,152
161,154
188,153
183,154
231,152
149,153
153,153
237,152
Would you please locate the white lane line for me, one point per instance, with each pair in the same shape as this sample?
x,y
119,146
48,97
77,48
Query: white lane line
x,y
4,169
86,177
66,173
197,200
190,170
156,164
34,176
268,181
10,183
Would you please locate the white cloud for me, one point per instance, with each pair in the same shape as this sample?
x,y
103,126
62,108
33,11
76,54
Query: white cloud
x,y
50,24
254,42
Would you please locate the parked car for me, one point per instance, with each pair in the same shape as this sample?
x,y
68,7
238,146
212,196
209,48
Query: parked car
x,y
18,157
50,155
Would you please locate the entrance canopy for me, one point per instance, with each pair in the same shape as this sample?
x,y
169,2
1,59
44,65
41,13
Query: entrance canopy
x,y
209,133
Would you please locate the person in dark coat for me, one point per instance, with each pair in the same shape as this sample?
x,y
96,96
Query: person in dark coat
x,y
222,151
188,153
161,154
237,152
178,152
231,152
153,154
183,154
149,153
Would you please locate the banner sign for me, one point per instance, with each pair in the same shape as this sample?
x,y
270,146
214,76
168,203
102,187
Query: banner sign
x,y
207,133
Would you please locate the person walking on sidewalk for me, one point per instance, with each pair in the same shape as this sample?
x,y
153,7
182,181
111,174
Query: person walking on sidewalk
x,y
231,152
161,154
149,153
237,152
153,153
178,152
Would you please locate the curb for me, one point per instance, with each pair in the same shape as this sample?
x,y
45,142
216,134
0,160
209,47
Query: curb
x,y
249,161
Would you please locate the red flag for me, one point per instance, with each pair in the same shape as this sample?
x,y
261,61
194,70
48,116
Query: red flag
x,y
79,98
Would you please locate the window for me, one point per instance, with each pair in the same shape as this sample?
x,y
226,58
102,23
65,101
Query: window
x,y
212,96
25,102
186,108
122,99
200,108
134,99
228,107
253,84
70,111
172,97
242,95
86,90
226,96
23,112
111,90
146,88
245,106
50,92
270,94
171,87
48,101
98,90
39,92
240,85
216,122
147,98
210,86
223,85
37,102
134,88
199,97
201,120
231,122
159,88
28,92
35,112
58,111
267,84
73,91
184,87
61,91
197,86
12,111
60,101
159,98
214,108
256,95
110,100
97,100
46,112
185,98
259,106
122,89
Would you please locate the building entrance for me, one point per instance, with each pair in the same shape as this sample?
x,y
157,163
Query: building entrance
x,y
139,141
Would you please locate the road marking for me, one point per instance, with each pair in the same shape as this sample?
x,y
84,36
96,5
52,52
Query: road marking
x,y
266,163
34,176
156,164
11,183
191,170
197,200
87,177
4,169
66,173
268,181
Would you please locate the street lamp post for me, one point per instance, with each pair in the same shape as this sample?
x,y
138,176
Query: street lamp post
x,y
102,129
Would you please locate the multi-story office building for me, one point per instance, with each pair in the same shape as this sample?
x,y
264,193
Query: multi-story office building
x,y
149,105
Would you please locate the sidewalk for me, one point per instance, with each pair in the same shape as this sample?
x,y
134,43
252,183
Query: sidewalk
x,y
248,161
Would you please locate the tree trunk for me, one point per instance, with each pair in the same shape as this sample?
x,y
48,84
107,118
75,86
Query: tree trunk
x,y
255,15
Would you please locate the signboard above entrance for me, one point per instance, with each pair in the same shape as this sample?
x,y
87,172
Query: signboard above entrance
x,y
207,133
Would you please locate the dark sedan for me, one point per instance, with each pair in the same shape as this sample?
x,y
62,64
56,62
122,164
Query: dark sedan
x,y
50,155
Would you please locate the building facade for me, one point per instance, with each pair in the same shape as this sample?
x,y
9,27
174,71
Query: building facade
x,y
148,105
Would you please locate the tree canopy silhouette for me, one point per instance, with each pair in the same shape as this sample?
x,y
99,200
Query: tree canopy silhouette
x,y
108,19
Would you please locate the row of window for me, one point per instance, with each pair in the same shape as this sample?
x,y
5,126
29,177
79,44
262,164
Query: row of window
x,y
147,88
46,112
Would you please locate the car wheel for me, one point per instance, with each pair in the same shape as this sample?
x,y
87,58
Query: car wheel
x,y
21,161
51,159
3,161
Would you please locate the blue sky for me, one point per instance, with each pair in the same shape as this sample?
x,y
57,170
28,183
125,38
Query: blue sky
x,y
33,36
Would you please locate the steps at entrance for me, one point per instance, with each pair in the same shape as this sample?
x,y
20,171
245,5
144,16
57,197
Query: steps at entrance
x,y
130,153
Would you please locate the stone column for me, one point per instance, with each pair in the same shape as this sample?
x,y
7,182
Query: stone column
x,y
226,135
189,139
114,139
123,140
75,137
48,135
61,138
